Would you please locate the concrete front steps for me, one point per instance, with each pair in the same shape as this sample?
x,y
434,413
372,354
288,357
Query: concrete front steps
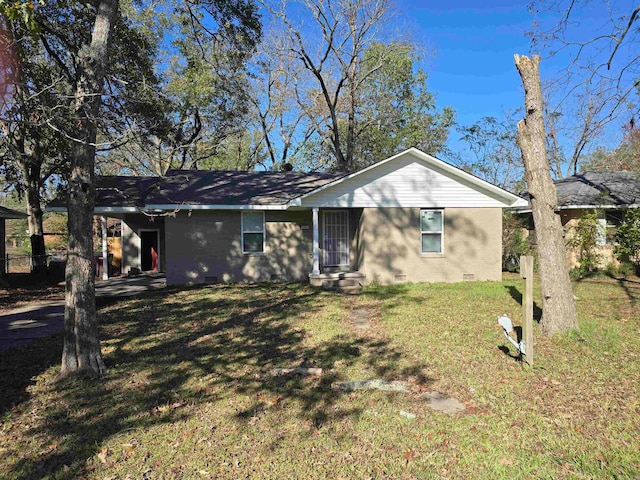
x,y
345,282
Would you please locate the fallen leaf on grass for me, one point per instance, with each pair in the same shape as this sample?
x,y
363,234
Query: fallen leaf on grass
x,y
102,455
189,433
127,450
409,454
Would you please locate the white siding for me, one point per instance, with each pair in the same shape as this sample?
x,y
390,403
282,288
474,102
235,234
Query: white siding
x,y
406,182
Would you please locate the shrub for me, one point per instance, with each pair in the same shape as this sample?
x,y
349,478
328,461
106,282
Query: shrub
x,y
585,240
514,243
627,238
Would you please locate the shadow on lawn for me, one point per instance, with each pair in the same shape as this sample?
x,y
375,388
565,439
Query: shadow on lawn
x,y
167,354
631,289
517,296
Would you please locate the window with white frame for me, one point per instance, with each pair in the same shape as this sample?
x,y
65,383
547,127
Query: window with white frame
x,y
252,232
431,230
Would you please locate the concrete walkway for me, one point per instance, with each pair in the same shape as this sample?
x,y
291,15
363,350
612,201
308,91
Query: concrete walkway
x,y
41,319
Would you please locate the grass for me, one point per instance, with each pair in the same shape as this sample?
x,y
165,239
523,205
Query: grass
x,y
188,393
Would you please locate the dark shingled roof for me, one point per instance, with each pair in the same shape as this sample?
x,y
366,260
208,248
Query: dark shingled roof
x,y
225,187
615,189
597,189
205,187
8,213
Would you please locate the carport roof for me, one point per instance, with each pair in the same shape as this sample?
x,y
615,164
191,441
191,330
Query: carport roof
x,y
8,213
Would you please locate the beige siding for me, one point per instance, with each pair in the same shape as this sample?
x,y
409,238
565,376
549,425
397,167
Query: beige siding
x,y
406,182
389,247
206,247
131,226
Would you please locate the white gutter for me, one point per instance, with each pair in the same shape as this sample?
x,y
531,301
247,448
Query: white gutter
x,y
99,210
214,207
587,207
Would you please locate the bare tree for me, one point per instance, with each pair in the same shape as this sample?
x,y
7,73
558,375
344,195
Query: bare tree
x,y
344,29
558,308
574,127
597,84
284,126
496,157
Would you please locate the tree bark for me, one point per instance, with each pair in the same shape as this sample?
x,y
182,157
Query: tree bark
x,y
558,308
81,350
31,171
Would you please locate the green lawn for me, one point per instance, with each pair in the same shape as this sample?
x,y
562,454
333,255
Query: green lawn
x,y
188,393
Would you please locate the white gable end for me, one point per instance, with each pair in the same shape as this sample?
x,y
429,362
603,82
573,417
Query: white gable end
x,y
405,182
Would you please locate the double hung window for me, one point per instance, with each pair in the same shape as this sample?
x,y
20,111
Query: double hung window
x,y
431,231
252,232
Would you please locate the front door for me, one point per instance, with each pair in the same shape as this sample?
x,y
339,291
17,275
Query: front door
x,y
149,250
336,238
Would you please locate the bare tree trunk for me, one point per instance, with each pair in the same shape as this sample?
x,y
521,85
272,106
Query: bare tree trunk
x,y
558,308
31,172
81,351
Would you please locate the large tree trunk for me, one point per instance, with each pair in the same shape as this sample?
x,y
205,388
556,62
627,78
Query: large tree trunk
x,y
31,171
81,351
558,308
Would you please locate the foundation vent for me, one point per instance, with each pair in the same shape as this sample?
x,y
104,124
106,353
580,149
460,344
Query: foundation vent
x,y
401,278
210,280
468,277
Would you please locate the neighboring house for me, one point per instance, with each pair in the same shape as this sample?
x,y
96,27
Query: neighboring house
x,y
6,213
608,193
410,217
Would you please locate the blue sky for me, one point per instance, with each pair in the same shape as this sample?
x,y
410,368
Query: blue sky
x,y
474,42
473,67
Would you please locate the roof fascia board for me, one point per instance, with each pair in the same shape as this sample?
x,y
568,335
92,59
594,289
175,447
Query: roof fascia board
x,y
100,209
172,207
584,207
601,207
186,206
513,200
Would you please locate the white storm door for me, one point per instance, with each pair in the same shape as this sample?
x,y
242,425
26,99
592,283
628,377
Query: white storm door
x,y
336,238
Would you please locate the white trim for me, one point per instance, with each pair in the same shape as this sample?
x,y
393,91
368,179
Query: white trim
x,y
116,210
316,241
100,210
139,232
441,231
325,236
584,207
188,206
105,249
510,199
171,207
263,232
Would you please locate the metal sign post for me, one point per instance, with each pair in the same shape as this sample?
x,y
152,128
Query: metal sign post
x,y
526,272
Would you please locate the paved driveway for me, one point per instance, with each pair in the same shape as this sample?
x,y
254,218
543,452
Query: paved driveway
x,y
41,319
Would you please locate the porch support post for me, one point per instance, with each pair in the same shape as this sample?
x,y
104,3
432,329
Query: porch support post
x,y
316,241
105,250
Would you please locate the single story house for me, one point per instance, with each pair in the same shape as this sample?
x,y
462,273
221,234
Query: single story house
x,y
410,217
4,214
609,194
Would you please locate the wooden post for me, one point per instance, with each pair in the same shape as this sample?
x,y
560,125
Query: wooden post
x,y
526,272
105,250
